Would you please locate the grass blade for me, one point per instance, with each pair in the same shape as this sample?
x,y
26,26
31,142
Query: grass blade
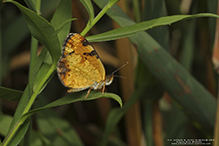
x,y
74,98
42,30
89,7
127,31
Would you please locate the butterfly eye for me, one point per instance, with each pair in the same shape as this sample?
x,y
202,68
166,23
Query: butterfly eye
x,y
109,79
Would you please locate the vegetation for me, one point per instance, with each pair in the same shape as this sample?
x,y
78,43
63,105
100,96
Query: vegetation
x,y
169,93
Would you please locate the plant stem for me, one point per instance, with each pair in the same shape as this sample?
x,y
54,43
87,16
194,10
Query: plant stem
x,y
38,6
100,15
137,9
30,103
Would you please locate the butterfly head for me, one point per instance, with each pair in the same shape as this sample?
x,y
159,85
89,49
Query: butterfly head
x,y
109,78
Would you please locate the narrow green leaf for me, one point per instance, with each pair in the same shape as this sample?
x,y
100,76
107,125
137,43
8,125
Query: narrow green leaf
x,y
42,30
48,6
61,19
10,94
79,96
64,24
50,125
142,26
26,140
21,106
31,4
98,17
89,7
36,67
33,56
44,68
20,133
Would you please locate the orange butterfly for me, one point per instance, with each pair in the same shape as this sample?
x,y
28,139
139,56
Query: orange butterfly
x,y
80,67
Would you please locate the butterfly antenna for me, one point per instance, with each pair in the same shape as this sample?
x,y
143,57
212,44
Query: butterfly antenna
x,y
120,76
120,67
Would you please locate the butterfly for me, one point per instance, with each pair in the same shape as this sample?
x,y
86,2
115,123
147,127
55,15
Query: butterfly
x,y
80,67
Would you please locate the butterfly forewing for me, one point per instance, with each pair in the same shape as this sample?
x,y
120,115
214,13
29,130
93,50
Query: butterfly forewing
x,y
79,66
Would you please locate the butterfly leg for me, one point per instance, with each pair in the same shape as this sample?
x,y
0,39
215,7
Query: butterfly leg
x,y
88,92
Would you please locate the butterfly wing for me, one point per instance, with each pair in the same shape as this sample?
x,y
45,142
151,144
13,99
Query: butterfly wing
x,y
79,66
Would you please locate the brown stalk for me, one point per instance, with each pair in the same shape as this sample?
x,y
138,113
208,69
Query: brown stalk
x,y
125,52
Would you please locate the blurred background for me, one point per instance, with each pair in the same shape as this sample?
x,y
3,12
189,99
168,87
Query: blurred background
x,y
190,42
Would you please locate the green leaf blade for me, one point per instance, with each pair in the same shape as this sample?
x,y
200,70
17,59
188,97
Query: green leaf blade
x,y
89,7
127,31
31,4
62,18
42,30
75,98
22,130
